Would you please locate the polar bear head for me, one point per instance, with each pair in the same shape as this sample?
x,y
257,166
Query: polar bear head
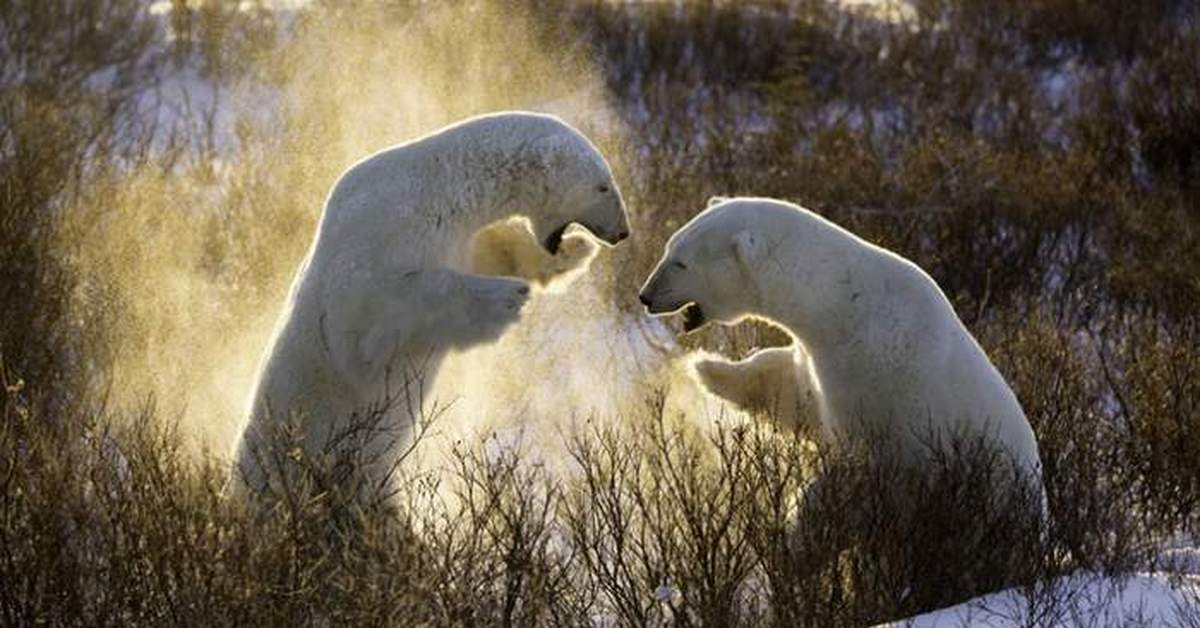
x,y
569,182
711,268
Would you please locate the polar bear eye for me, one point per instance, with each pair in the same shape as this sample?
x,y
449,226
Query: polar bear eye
x,y
603,189
679,265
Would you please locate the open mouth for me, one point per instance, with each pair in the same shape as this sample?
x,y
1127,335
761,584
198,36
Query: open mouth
x,y
554,240
693,317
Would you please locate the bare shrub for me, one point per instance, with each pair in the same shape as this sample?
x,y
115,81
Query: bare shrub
x,y
1154,372
1060,222
659,520
70,74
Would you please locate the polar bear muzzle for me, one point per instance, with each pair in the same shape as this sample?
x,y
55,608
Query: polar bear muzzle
x,y
612,239
693,314
608,232
658,303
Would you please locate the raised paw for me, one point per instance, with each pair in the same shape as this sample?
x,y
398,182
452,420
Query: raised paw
x,y
511,294
727,380
769,383
503,295
497,304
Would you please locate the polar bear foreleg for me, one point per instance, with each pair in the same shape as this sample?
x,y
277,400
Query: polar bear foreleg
x,y
766,383
416,313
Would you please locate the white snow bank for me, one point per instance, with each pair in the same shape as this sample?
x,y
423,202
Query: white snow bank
x,y
1145,599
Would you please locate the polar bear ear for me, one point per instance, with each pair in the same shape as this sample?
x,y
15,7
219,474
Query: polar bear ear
x,y
716,199
747,247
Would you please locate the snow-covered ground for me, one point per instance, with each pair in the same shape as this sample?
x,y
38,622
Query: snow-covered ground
x,y
1143,599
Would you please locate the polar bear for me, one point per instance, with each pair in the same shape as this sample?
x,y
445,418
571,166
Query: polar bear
x,y
887,354
773,384
387,287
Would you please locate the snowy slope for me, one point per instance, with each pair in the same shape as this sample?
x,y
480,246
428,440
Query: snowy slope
x,y
1145,599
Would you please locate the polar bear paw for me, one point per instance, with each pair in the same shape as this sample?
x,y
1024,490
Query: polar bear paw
x,y
496,303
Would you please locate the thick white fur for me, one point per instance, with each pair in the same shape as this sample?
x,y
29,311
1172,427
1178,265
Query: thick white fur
x,y
772,384
387,287
888,355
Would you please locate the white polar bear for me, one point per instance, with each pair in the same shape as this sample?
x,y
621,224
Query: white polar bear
x,y
887,353
387,287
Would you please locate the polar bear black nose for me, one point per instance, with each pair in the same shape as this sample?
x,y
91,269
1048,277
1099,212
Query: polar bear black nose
x,y
622,235
644,299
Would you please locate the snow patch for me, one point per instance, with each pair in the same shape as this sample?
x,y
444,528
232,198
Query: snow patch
x,y
1144,599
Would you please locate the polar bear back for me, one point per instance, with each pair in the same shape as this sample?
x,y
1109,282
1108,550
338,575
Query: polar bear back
x,y
901,356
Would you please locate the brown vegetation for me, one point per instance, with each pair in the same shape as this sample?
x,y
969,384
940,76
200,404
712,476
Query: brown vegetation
x,y
1061,222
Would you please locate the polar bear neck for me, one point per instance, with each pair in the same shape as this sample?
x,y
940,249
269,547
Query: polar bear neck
x,y
489,176
493,165
844,292
831,271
